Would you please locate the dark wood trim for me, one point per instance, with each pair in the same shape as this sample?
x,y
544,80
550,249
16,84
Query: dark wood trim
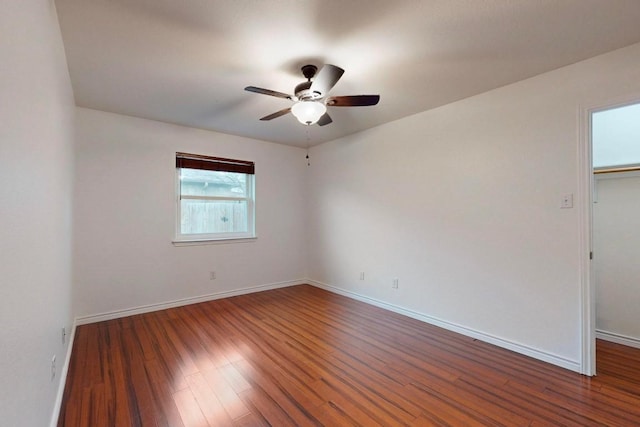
x,y
197,161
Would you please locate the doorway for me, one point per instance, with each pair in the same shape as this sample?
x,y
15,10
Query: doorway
x,y
612,288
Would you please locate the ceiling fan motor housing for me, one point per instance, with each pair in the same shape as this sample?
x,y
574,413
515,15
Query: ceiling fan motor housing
x,y
304,93
302,90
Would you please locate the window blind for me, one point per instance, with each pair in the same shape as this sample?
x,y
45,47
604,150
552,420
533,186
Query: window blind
x,y
196,161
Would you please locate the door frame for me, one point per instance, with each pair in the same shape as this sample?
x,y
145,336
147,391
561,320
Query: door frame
x,y
586,187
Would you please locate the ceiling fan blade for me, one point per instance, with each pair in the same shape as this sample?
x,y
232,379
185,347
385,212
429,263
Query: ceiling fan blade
x,y
326,78
353,100
276,114
324,120
267,92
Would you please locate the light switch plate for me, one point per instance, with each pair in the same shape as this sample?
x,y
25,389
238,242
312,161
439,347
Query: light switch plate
x,y
567,201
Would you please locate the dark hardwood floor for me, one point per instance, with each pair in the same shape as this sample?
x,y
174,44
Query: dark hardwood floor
x,y
301,356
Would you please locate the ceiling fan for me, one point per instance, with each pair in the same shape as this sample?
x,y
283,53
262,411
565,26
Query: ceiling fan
x,y
311,99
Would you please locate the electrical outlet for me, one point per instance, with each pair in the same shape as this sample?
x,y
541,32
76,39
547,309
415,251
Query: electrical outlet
x,y
53,367
362,275
394,284
212,275
64,335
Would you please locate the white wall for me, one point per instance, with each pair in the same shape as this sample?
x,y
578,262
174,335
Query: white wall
x,y
462,205
616,235
126,214
36,167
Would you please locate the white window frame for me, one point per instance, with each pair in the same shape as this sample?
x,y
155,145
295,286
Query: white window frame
x,y
227,237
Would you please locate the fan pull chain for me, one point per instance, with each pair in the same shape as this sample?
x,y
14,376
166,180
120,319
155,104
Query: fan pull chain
x,y
308,141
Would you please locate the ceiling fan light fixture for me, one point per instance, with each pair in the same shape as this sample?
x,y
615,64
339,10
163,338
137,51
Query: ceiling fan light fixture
x,y
310,97
308,112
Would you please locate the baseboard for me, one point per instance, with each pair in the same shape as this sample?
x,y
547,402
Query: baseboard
x,y
63,378
83,320
518,348
463,330
116,314
618,338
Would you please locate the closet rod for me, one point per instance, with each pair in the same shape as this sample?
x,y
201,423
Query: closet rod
x,y
630,168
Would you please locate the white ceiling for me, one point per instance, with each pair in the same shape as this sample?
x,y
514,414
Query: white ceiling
x,y
188,61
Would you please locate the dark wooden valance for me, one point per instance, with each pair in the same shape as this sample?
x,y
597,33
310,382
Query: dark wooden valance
x,y
196,161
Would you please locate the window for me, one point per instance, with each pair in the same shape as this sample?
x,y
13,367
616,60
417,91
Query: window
x,y
215,198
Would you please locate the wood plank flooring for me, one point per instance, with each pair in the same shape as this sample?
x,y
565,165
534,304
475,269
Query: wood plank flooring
x,y
301,356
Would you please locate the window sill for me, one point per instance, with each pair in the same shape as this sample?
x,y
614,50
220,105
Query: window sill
x,y
199,242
